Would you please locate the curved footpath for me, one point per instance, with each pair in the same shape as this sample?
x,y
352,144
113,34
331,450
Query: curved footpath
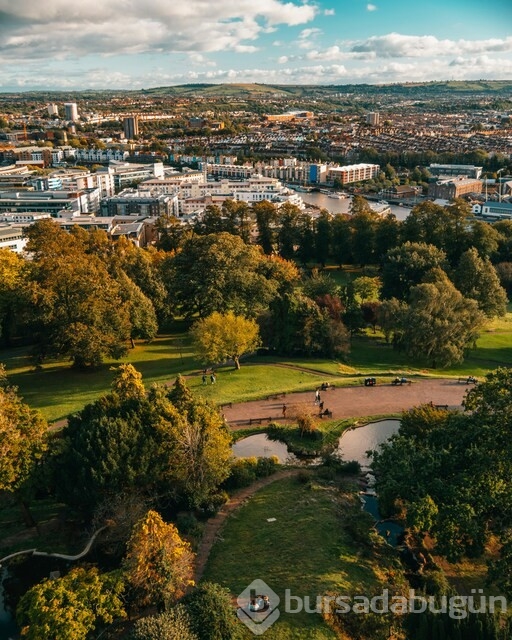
x,y
353,402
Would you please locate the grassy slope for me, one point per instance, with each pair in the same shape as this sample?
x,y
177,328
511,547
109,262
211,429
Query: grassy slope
x,y
305,550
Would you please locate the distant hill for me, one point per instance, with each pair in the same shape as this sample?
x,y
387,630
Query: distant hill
x,y
413,89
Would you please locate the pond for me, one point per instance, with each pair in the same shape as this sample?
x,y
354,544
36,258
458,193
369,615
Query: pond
x,y
260,446
8,627
354,443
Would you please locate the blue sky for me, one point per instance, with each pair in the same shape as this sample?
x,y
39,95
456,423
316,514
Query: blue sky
x,y
131,44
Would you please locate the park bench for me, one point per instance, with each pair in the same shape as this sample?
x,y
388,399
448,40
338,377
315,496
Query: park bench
x,y
468,380
441,406
229,405
325,414
259,420
325,386
276,396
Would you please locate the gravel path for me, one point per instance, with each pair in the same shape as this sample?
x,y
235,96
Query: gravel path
x,y
353,402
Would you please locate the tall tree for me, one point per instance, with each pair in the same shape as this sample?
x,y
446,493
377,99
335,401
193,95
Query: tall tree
x,y
22,444
266,217
77,307
440,324
219,272
476,278
407,265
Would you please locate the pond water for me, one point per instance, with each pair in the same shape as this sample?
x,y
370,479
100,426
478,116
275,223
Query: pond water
x,y
8,627
354,443
261,446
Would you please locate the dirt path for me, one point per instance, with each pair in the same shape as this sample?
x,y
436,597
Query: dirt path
x,y
214,525
353,402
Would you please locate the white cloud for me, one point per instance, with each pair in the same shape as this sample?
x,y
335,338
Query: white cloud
x,y
371,7
396,45
64,29
282,59
329,12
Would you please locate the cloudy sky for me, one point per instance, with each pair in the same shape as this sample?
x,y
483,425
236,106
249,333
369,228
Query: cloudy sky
x,y
131,44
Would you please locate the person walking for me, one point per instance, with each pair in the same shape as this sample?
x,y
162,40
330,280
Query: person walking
x,y
284,411
204,379
317,397
213,378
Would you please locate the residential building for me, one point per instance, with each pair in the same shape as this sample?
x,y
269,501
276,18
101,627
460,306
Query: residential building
x,y
131,127
453,188
53,110
70,111
131,202
373,119
353,173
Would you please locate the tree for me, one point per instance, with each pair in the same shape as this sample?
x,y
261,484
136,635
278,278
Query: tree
x,y
439,323
158,564
218,272
12,270
220,337
127,383
22,444
211,613
169,625
476,278
406,266
71,607
366,288
266,217
141,312
77,309
122,442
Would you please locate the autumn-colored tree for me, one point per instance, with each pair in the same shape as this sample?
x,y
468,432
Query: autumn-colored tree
x,y
71,607
158,564
225,336
22,444
127,382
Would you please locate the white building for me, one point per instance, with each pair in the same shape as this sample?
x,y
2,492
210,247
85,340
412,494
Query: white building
x,y
12,238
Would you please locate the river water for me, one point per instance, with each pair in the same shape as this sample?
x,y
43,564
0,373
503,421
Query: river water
x,y
343,206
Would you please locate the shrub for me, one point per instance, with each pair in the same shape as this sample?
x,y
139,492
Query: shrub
x,y
212,616
170,625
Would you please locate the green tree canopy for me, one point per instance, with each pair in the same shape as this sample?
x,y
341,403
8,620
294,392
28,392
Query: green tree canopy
x,y
439,323
476,278
407,265
218,272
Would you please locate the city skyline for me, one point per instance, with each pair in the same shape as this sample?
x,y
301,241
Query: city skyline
x,y
122,44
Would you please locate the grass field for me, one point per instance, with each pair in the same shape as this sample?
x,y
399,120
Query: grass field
x,y
305,550
58,390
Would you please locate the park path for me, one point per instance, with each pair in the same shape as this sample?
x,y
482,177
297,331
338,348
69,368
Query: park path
x,y
352,402
215,524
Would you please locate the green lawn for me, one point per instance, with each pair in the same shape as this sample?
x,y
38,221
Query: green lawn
x,y
305,550
58,390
